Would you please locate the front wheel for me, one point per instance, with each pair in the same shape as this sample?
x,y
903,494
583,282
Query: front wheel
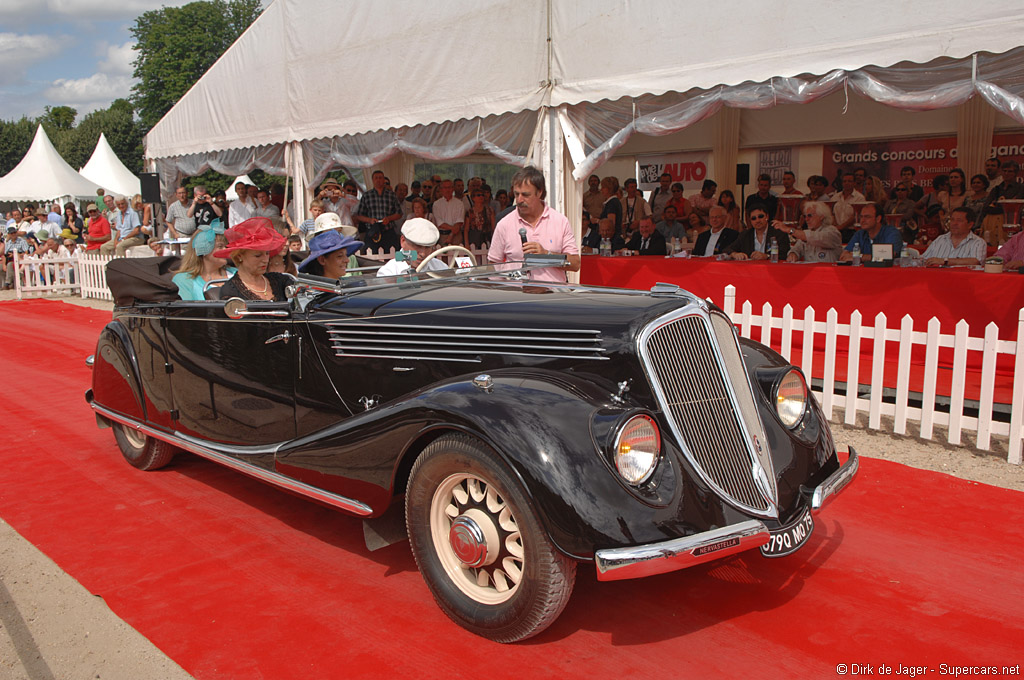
x,y
484,555
140,450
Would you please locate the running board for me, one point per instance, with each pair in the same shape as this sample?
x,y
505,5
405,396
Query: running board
x,y
203,449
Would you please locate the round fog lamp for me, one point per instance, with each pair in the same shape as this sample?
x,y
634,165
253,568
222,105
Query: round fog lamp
x,y
637,449
791,399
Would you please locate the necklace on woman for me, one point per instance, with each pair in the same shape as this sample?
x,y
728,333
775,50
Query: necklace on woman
x,y
259,292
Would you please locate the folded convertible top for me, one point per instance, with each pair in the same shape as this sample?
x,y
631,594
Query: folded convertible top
x,y
142,279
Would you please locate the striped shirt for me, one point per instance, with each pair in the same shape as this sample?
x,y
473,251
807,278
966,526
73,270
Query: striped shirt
x,y
972,246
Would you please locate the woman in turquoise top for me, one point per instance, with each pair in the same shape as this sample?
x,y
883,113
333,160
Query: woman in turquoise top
x,y
199,266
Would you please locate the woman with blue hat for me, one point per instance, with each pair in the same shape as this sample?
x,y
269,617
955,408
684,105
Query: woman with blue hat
x,y
199,265
328,255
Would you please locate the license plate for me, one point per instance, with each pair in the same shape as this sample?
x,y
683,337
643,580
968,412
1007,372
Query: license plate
x,y
789,538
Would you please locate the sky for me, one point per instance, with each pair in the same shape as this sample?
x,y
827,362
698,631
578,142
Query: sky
x,y
75,53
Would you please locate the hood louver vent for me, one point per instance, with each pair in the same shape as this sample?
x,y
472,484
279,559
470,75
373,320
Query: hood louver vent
x,y
460,343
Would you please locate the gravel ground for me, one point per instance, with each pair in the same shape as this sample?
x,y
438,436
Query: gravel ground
x,y
54,628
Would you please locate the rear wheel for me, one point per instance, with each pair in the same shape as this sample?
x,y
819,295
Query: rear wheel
x,y
142,451
481,549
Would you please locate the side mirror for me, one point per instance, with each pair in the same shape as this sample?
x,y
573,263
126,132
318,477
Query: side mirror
x,y
234,308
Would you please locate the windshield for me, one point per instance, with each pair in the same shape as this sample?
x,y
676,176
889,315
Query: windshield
x,y
367,278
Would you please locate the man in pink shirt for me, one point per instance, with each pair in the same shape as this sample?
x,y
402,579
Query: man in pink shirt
x,y
546,231
1012,252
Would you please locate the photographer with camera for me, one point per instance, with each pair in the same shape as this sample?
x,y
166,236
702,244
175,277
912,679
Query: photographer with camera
x,y
203,208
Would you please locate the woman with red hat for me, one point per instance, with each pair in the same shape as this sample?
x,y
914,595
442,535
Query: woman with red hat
x,y
250,245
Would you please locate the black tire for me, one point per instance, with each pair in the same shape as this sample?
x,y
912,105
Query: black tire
x,y
142,451
528,581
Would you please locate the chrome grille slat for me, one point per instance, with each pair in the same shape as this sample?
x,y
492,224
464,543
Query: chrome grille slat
x,y
684,358
449,343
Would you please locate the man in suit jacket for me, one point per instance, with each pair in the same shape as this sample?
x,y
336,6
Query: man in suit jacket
x,y
755,243
716,239
648,240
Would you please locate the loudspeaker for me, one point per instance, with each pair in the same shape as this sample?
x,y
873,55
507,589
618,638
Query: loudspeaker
x,y
742,174
150,187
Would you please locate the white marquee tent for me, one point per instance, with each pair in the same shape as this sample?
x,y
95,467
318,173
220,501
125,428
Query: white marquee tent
x,y
43,175
106,169
563,83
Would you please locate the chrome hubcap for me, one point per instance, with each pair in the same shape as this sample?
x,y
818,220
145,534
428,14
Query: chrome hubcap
x,y
468,542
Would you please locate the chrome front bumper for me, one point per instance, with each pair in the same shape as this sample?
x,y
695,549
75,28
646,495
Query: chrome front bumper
x,y
616,564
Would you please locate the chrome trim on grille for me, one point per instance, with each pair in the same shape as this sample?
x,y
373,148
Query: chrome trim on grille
x,y
679,553
206,450
693,362
460,343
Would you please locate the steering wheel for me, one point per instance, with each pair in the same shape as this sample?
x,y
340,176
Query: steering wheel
x,y
439,251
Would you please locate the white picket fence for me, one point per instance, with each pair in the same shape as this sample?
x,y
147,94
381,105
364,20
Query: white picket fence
x,y
44,275
896,343
92,274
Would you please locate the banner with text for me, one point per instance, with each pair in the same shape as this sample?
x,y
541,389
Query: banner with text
x,y
928,157
690,169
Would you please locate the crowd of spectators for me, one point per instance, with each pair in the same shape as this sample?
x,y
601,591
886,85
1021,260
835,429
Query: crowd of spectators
x,y
953,223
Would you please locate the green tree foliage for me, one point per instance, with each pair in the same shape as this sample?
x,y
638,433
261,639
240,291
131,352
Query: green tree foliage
x,y
15,138
176,46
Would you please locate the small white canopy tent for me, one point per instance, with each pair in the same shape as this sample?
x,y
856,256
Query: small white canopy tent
x,y
230,192
524,79
106,169
43,175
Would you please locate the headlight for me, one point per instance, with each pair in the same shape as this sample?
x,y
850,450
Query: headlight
x,y
791,398
637,449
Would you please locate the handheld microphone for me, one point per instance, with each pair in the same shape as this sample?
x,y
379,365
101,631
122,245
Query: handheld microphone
x,y
522,234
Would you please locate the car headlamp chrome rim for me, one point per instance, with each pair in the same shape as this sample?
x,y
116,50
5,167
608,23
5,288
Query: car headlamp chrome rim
x,y
791,398
637,449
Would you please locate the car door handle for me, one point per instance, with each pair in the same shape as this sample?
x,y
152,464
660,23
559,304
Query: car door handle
x,y
277,338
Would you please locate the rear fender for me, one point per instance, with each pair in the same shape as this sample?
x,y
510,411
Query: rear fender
x,y
116,382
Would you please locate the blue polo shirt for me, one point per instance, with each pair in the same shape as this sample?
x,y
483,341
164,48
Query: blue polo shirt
x,y
887,234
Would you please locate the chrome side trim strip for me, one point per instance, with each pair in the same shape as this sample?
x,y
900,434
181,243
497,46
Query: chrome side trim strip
x,y
204,450
462,329
836,482
349,331
615,564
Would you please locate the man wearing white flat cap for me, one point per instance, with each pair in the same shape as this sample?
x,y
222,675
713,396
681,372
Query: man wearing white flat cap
x,y
419,236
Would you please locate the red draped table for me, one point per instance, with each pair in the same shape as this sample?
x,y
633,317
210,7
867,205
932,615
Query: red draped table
x,y
946,294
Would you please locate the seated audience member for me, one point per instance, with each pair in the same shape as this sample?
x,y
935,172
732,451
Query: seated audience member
x,y
98,231
843,211
679,202
479,224
670,227
755,243
605,230
647,240
907,177
820,241
634,207
329,255
959,246
250,245
872,230
1012,252
417,240
901,205
933,226
660,196
818,188
938,196
696,225
612,206
450,212
714,240
705,200
1008,188
199,265
71,223
420,209
733,219
763,198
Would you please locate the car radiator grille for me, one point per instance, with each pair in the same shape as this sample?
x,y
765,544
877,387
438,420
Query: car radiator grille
x,y
460,343
684,360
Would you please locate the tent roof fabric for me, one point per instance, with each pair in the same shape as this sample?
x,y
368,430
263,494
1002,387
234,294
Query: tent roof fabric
x,y
43,175
106,169
388,66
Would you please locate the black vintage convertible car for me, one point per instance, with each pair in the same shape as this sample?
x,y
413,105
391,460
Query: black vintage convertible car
x,y
528,428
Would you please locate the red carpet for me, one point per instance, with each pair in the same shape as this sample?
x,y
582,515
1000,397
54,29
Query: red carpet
x,y
234,579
